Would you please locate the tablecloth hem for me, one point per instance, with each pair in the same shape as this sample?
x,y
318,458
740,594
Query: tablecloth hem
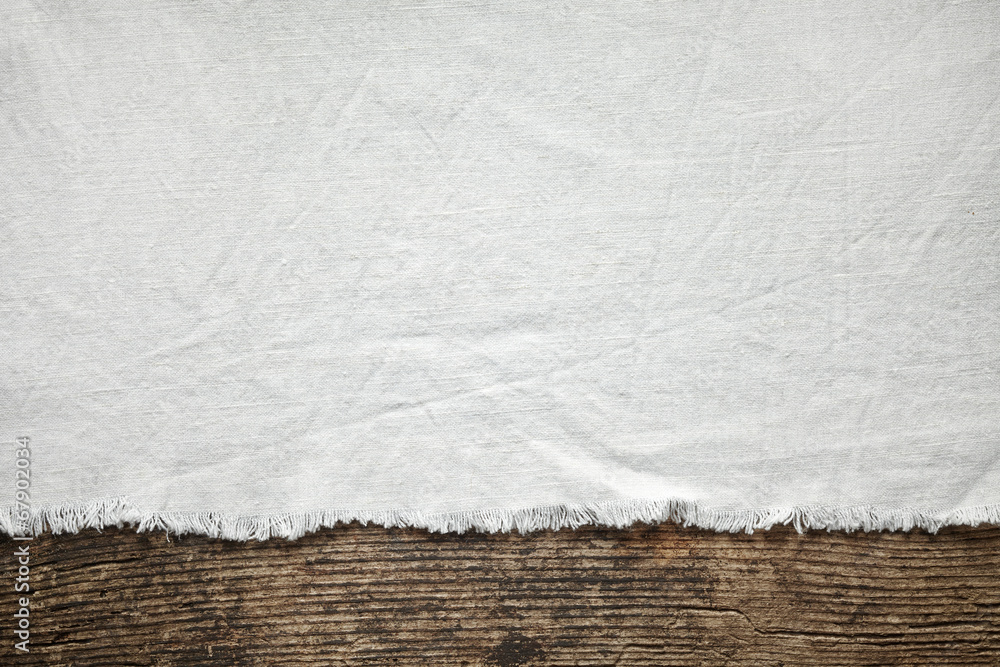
x,y
119,512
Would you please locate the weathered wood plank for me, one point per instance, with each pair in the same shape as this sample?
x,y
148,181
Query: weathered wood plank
x,y
649,596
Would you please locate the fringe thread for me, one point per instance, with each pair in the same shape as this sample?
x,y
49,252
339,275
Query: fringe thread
x,y
621,514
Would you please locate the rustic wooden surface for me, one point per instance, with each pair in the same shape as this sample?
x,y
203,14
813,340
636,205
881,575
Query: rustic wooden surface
x,y
647,596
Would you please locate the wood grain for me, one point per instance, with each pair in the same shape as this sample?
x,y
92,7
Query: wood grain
x,y
660,595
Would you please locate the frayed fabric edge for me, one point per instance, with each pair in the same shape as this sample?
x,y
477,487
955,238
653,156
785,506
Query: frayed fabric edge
x,y
119,512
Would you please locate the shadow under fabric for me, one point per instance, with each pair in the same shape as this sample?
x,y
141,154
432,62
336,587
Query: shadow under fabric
x,y
267,267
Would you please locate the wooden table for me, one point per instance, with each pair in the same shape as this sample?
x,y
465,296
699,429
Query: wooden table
x,y
648,596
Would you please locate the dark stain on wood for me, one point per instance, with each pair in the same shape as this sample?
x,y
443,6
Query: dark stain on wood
x,y
515,650
660,595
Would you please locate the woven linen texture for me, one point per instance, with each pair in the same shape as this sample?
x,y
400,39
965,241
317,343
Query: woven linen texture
x,y
271,266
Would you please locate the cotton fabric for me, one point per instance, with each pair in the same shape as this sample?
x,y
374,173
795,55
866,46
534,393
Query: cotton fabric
x,y
269,266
